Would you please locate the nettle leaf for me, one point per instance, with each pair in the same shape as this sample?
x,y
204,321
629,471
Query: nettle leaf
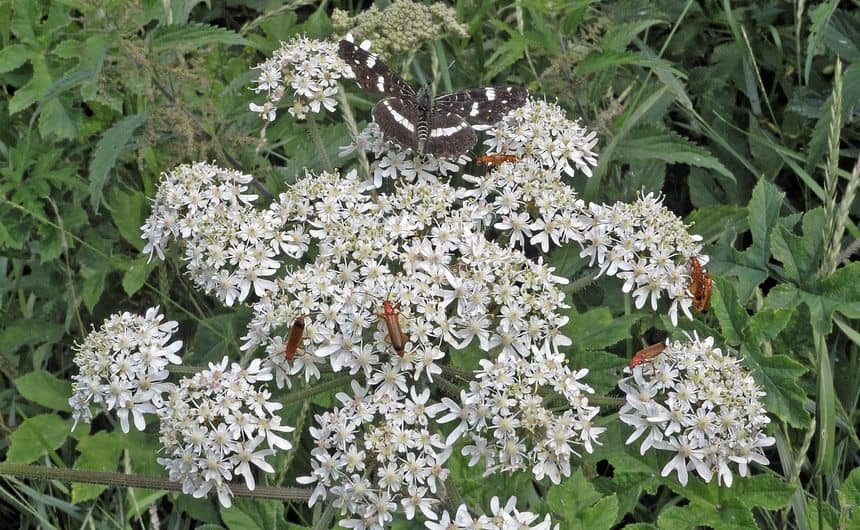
x,y
578,505
13,56
763,491
37,436
45,389
650,143
99,452
127,209
801,255
137,273
695,515
112,143
34,89
192,36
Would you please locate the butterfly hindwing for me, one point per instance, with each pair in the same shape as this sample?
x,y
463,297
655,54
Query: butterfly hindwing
x,y
372,74
482,106
449,135
398,119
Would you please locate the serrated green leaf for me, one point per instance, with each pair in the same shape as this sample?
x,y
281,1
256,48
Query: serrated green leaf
x,y
710,221
37,436
763,491
650,143
13,56
849,500
801,255
579,505
98,452
55,121
253,514
127,209
112,143
33,90
93,285
726,517
192,36
731,314
45,389
137,273
763,208
778,376
597,328
766,325
31,331
203,509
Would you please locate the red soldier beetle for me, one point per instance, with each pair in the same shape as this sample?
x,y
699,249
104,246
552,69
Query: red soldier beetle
x,y
647,354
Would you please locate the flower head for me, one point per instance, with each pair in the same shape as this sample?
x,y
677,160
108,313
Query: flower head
x,y
700,404
123,367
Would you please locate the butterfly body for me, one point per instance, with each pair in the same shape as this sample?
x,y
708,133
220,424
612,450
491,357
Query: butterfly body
x,y
416,120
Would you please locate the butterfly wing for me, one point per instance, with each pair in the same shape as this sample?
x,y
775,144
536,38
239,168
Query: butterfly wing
x,y
482,106
398,119
372,74
449,134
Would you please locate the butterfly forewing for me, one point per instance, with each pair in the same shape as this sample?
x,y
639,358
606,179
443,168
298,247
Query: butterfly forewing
x,y
482,106
372,74
398,119
449,135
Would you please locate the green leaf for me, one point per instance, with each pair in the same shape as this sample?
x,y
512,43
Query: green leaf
x,y
252,514
694,515
34,90
710,221
597,328
766,325
763,210
578,505
137,273
193,36
112,143
650,143
98,452
28,332
763,491
13,56
801,255
849,500
732,316
778,377
45,389
36,437
93,285
127,209
55,121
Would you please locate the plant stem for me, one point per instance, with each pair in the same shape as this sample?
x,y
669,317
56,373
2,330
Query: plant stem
x,y
112,478
318,142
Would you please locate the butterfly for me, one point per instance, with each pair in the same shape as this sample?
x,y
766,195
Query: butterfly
x,y
416,120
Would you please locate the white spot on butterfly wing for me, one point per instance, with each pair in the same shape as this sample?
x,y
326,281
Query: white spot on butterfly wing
x,y
448,131
399,118
474,111
380,83
490,93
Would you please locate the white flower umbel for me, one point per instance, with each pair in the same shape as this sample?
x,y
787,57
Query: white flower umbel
x,y
307,69
216,425
123,367
541,131
228,244
500,517
378,453
701,405
647,246
507,414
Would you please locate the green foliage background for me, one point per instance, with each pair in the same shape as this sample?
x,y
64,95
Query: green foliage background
x,y
744,114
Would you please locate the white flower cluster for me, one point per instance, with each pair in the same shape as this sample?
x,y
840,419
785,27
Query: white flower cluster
x,y
541,131
507,414
647,246
228,244
310,69
501,517
389,160
123,367
212,427
530,203
701,405
376,452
